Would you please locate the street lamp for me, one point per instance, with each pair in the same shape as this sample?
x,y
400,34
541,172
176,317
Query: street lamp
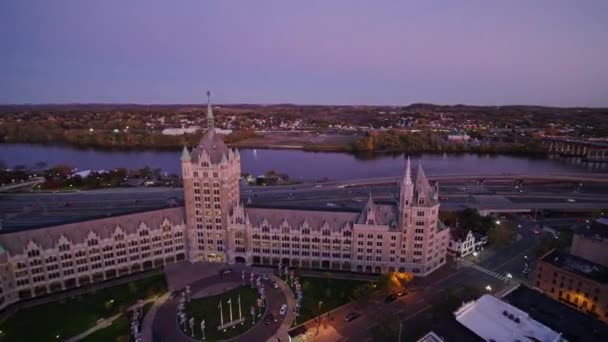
x,y
509,275
489,288
497,221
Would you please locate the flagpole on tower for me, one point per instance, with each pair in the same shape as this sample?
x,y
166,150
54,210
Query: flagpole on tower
x,y
209,111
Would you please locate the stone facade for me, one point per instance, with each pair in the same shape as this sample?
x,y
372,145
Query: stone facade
x,y
406,236
42,261
215,226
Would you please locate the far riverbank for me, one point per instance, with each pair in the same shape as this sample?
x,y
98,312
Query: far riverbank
x,y
298,164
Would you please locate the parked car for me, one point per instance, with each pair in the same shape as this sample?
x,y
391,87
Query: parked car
x,y
265,277
351,316
401,293
275,284
283,310
269,319
225,271
390,298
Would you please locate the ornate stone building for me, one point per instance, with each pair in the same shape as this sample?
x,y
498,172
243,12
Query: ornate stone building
x,y
406,236
215,226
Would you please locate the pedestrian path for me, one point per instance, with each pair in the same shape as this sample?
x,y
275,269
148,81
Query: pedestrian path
x,y
488,272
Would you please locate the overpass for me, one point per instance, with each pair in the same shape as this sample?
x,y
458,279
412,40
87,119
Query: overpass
x,y
588,150
28,184
481,178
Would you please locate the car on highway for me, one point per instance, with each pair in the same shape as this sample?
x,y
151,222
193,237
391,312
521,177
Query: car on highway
x,y
571,200
283,310
225,271
351,316
536,231
269,319
331,205
318,186
390,298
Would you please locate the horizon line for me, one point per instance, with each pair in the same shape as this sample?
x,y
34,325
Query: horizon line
x,y
295,104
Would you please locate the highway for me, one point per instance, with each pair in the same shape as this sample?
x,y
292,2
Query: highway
x,y
31,210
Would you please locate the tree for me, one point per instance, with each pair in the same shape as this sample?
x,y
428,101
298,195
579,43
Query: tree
x,y
63,170
393,282
387,327
270,174
362,293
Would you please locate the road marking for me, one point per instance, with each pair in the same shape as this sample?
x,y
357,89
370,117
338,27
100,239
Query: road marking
x,y
417,312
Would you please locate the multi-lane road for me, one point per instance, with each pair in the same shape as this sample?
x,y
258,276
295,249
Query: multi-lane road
x,y
30,210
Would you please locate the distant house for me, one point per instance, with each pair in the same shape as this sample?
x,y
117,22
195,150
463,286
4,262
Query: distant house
x,y
464,242
458,137
180,131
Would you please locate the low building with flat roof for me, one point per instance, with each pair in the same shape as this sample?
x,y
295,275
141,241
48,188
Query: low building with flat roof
x,y
590,241
573,324
575,281
494,320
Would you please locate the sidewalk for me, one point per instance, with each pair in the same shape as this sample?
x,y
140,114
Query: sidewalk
x,y
106,322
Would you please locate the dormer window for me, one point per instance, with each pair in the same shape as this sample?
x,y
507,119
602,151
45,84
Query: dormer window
x,y
205,164
326,232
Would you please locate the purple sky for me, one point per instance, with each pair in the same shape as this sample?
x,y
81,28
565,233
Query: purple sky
x,y
325,52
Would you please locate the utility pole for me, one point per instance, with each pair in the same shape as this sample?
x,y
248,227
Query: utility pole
x,y
400,328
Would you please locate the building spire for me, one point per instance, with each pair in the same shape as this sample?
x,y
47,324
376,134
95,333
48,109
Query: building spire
x,y
185,154
408,172
209,111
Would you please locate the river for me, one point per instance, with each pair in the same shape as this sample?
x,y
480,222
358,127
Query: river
x,y
297,164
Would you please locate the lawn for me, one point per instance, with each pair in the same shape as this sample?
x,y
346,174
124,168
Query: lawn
x,y
332,292
72,316
207,309
119,331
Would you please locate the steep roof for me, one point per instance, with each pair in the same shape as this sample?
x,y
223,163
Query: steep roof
x,y
295,218
185,154
423,187
213,145
15,242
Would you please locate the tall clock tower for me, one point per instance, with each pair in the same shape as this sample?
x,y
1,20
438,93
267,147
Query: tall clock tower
x,y
210,173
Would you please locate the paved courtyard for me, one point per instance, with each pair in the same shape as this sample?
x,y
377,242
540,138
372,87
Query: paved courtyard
x,y
205,280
